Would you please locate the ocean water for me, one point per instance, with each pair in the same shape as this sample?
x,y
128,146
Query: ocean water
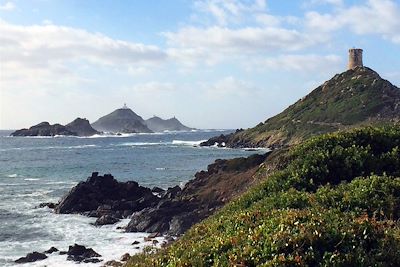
x,y
34,170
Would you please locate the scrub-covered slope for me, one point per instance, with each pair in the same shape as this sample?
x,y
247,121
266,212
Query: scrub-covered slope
x,y
337,203
355,97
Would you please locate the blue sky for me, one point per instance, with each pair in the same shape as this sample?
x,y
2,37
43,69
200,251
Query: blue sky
x,y
210,63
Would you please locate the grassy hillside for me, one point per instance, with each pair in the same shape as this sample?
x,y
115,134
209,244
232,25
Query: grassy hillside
x,y
353,98
337,203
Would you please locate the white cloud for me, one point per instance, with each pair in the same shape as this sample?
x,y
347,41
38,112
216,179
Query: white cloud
x,y
379,17
298,63
8,6
322,2
229,11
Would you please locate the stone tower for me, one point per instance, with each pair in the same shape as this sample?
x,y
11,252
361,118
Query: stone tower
x,y
355,58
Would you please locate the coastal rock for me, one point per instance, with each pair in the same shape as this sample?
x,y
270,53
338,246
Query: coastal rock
x,y
81,127
217,140
80,253
125,257
179,209
50,205
78,127
106,219
103,195
31,257
44,129
51,250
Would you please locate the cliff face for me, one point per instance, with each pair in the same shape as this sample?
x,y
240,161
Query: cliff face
x,y
353,98
156,124
121,121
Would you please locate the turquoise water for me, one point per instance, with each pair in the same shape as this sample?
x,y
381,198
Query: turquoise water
x,y
36,170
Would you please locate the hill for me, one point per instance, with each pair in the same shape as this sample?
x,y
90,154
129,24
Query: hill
x,y
156,124
122,120
335,202
356,97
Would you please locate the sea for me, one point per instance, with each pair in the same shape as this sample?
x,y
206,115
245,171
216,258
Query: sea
x,y
34,170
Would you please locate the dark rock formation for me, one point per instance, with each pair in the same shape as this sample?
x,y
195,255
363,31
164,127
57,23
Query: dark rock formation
x,y
31,257
106,219
80,253
156,124
81,127
122,120
175,211
51,250
179,209
44,129
50,205
103,195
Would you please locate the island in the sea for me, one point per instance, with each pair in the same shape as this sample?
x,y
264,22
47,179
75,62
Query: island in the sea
x,y
122,120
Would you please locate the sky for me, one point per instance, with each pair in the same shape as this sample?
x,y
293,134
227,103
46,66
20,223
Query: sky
x,y
211,63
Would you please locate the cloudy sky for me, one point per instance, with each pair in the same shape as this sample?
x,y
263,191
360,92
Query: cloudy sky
x,y
211,63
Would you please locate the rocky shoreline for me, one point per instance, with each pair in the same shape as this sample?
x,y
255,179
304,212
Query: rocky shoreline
x,y
159,212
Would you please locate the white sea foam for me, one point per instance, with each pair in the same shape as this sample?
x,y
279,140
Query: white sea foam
x,y
31,179
67,230
161,169
14,175
187,143
140,144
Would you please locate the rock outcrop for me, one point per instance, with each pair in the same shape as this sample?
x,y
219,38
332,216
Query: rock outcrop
x,y
44,129
122,120
103,195
81,127
157,124
172,211
31,257
80,253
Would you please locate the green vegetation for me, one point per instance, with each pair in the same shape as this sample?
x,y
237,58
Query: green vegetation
x,y
353,98
336,203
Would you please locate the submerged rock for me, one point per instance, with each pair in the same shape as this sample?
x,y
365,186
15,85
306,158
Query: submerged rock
x,y
31,257
81,253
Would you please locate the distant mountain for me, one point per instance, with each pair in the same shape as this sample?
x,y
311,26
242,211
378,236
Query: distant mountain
x,y
353,98
122,120
156,124
79,127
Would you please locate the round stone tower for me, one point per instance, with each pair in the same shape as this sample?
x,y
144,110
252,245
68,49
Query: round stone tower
x,y
355,58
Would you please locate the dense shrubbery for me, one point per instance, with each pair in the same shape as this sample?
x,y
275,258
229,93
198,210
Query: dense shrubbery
x,y
336,204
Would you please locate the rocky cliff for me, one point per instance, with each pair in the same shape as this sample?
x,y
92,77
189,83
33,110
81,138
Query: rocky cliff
x,y
353,98
81,127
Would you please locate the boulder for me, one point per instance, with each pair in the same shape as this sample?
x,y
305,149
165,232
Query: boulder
x,y
31,257
125,257
80,253
106,219
113,263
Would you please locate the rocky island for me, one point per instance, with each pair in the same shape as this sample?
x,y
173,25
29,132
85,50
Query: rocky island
x,y
78,127
157,124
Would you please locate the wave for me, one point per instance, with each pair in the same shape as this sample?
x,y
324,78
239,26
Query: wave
x,y
140,144
14,175
31,179
187,143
